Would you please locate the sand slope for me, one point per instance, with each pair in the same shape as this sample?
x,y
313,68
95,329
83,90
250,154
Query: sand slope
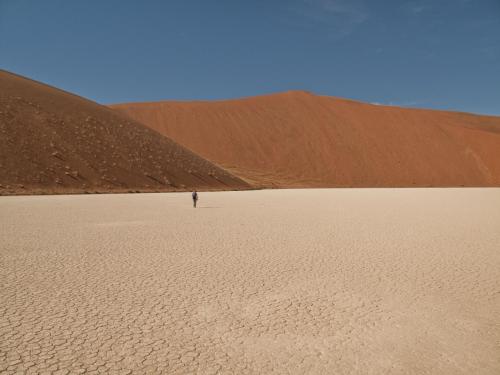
x,y
53,142
299,139
345,281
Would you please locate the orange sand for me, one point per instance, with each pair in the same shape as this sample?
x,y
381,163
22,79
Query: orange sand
x,y
297,139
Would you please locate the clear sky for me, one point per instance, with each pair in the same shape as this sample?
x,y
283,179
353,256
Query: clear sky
x,y
423,53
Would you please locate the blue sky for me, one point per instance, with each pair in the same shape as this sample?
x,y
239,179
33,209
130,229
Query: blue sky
x,y
441,54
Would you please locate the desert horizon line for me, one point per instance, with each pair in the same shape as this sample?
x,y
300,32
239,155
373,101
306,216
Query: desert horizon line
x,y
256,96
300,91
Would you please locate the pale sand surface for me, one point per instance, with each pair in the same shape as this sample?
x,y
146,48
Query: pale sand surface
x,y
366,281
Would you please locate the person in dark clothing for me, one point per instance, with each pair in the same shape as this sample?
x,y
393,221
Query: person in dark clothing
x,y
195,198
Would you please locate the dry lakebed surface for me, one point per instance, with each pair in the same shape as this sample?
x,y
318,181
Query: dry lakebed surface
x,y
322,281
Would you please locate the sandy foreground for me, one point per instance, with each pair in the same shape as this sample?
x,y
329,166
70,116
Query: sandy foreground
x,y
339,281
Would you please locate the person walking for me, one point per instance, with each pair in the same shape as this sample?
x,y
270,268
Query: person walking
x,y
195,198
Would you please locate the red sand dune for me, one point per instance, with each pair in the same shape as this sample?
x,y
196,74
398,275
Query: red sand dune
x,y
56,142
297,139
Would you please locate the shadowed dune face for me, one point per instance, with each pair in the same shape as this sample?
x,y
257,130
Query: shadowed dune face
x,y
56,142
297,139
